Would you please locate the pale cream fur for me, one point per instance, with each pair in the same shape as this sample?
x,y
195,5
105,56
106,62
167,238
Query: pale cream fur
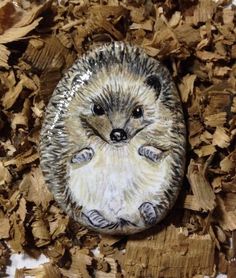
x,y
118,180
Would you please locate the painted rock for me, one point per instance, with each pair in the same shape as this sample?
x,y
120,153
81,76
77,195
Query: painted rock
x,y
113,141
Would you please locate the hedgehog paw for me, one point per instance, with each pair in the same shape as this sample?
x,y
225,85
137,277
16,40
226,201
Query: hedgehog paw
x,y
82,156
96,219
148,212
150,152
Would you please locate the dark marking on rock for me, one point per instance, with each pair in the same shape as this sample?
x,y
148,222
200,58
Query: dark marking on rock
x,y
154,82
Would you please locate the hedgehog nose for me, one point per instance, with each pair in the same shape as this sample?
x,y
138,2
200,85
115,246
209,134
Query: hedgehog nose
x,y
118,135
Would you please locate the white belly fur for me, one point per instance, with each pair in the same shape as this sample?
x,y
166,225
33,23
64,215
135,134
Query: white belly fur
x,y
117,181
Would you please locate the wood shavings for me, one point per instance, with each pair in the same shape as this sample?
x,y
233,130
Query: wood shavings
x,y
200,186
232,269
163,40
27,23
228,16
218,101
21,211
221,71
226,219
217,184
4,228
47,55
186,87
146,25
39,40
215,120
13,93
108,11
209,56
221,138
4,258
8,15
205,150
22,117
227,164
34,188
190,202
40,230
5,176
4,55
58,225
10,35
187,35
137,14
169,253
109,269
48,82
107,26
25,158
80,265
17,234
45,270
203,12
175,19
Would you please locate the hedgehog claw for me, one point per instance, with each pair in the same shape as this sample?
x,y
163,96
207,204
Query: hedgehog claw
x,y
96,219
148,212
150,152
82,156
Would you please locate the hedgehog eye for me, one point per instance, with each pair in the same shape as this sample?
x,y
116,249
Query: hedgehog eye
x,y
137,112
154,82
98,110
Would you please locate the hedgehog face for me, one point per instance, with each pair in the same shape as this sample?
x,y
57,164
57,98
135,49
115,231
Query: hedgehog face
x,y
115,111
116,126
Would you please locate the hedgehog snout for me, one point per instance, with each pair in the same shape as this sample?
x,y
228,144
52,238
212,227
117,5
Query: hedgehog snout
x,y
118,135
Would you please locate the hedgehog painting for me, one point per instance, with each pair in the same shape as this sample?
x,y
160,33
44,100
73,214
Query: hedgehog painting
x,y
112,145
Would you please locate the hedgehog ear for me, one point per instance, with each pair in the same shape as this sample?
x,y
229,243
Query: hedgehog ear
x,y
153,81
78,80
